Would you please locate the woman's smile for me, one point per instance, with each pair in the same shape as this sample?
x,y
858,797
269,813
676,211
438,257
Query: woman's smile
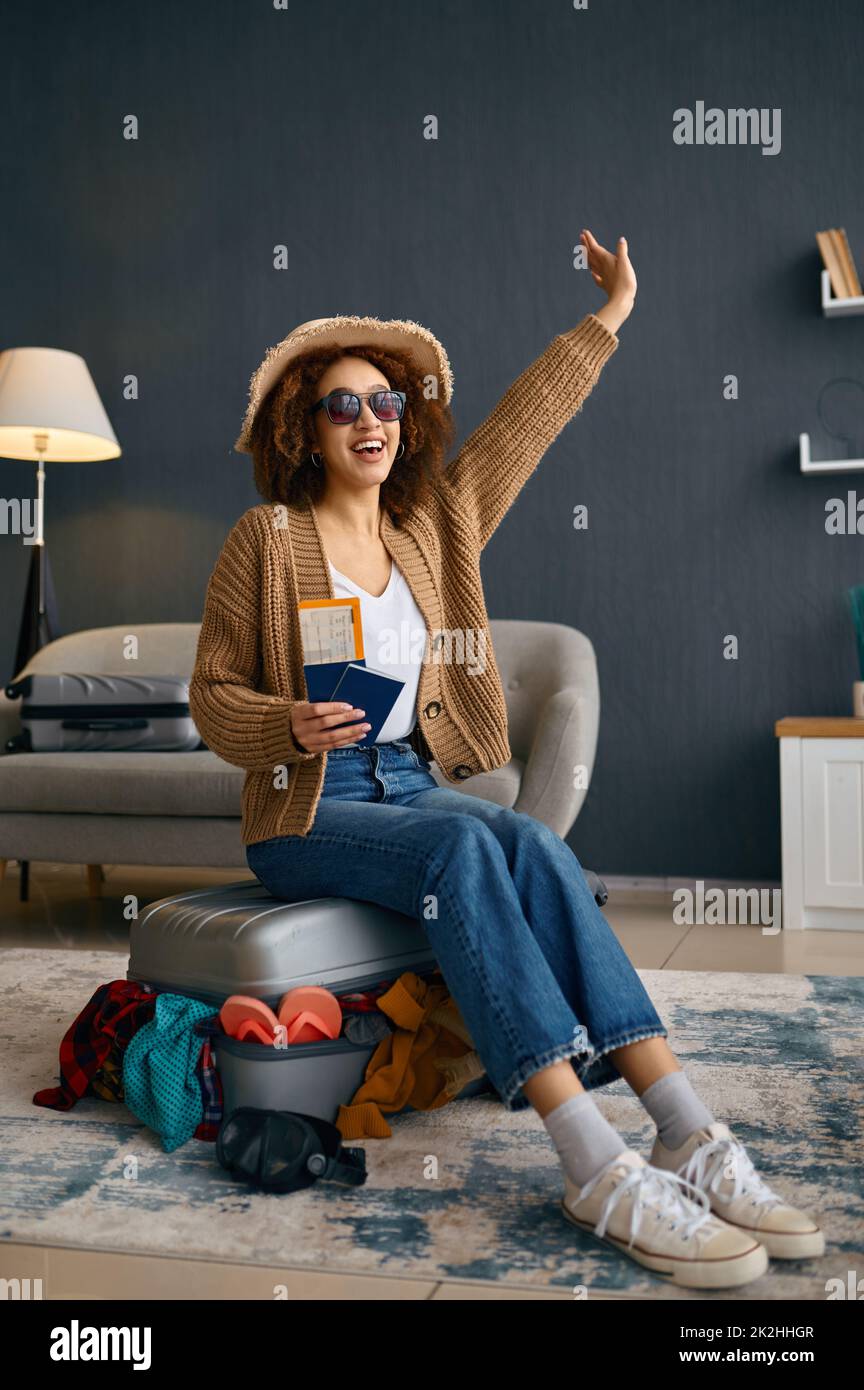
x,y
373,454
370,448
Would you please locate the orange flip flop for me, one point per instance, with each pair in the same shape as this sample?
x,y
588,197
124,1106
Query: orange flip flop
x,y
252,1031
241,1008
309,1013
306,1027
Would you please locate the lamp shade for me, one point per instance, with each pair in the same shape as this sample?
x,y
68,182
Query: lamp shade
x,y
50,391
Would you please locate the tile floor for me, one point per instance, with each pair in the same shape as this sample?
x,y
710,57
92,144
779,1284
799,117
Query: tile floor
x,y
60,914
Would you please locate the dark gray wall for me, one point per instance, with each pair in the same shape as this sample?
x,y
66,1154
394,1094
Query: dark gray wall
x,y
155,258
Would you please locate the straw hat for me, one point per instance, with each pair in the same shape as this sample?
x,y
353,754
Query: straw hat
x,y
347,330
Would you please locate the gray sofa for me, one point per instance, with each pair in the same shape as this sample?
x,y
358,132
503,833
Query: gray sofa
x,y
184,808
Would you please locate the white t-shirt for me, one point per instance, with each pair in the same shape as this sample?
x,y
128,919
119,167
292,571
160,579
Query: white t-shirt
x,y
394,639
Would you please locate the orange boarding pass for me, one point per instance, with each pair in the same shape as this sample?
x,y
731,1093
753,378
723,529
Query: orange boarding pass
x,y
332,633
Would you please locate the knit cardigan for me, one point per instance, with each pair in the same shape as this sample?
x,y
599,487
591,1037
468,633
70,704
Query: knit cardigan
x,y
248,672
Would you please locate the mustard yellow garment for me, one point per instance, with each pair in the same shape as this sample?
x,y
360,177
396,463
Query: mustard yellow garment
x,y
424,1063
108,1081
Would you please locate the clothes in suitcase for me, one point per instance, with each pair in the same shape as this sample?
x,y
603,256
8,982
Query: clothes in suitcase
x,y
70,712
239,939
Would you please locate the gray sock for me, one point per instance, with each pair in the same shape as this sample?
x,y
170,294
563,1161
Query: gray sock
x,y
584,1140
675,1109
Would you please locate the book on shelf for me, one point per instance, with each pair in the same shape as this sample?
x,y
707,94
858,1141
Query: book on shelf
x,y
841,242
837,259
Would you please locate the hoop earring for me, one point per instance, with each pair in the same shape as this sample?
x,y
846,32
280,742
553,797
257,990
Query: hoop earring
x,y
314,463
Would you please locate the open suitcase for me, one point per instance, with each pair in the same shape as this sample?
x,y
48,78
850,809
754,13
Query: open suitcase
x,y
238,939
67,713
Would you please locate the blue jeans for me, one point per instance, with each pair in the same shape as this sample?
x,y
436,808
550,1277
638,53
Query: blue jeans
x,y
525,951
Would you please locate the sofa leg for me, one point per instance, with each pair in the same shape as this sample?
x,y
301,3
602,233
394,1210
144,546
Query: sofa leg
x,y
95,879
24,880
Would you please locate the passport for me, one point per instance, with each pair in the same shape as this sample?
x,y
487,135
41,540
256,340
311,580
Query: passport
x,y
370,690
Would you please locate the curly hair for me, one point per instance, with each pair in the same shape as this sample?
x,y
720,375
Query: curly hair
x,y
283,433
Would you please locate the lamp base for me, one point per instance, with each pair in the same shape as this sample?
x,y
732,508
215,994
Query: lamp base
x,y
39,622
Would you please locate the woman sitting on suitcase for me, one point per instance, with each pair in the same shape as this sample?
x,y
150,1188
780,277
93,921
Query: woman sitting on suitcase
x,y
349,427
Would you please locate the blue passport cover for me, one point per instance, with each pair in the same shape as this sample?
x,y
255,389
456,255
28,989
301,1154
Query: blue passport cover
x,y
321,679
369,690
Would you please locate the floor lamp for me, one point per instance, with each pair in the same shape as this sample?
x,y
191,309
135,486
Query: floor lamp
x,y
50,412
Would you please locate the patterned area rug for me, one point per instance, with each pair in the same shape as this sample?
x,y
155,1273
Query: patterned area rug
x,y
469,1191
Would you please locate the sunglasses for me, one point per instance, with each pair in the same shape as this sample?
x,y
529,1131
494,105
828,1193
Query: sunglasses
x,y
344,406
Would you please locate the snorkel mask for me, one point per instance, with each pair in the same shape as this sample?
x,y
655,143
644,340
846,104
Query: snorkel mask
x,y
283,1151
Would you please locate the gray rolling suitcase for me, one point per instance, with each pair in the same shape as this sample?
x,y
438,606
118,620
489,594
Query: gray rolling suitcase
x,y
68,712
238,939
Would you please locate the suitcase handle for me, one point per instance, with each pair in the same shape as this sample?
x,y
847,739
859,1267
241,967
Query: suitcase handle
x,y
104,725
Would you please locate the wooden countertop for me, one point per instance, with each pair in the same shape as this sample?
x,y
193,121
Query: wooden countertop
x,y
819,726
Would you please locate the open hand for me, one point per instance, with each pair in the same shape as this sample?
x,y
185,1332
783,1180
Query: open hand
x,y
614,274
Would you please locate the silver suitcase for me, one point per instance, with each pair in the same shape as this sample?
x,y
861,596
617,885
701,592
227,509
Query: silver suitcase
x,y
238,939
68,712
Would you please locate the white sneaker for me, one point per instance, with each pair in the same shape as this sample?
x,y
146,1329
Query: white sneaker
x,y
716,1163
645,1213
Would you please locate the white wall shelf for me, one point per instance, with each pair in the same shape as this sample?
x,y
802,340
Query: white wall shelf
x,y
838,308
825,465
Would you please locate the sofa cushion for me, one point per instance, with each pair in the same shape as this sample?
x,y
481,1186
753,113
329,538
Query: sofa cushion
x,y
166,784
123,784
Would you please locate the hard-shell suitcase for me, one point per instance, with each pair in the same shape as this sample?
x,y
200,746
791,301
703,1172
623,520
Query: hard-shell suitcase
x,y
71,713
238,939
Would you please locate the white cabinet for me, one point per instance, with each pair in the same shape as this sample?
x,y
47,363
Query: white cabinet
x,y
822,809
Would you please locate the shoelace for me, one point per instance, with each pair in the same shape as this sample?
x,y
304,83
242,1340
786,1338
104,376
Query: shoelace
x,y
707,1168
650,1186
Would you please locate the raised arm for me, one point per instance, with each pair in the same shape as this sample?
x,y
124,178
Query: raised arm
x,y
497,460
239,723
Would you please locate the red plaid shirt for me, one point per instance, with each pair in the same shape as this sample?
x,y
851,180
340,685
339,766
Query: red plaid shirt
x,y
116,1010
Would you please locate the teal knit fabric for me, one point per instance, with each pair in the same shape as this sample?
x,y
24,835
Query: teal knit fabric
x,y
159,1078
